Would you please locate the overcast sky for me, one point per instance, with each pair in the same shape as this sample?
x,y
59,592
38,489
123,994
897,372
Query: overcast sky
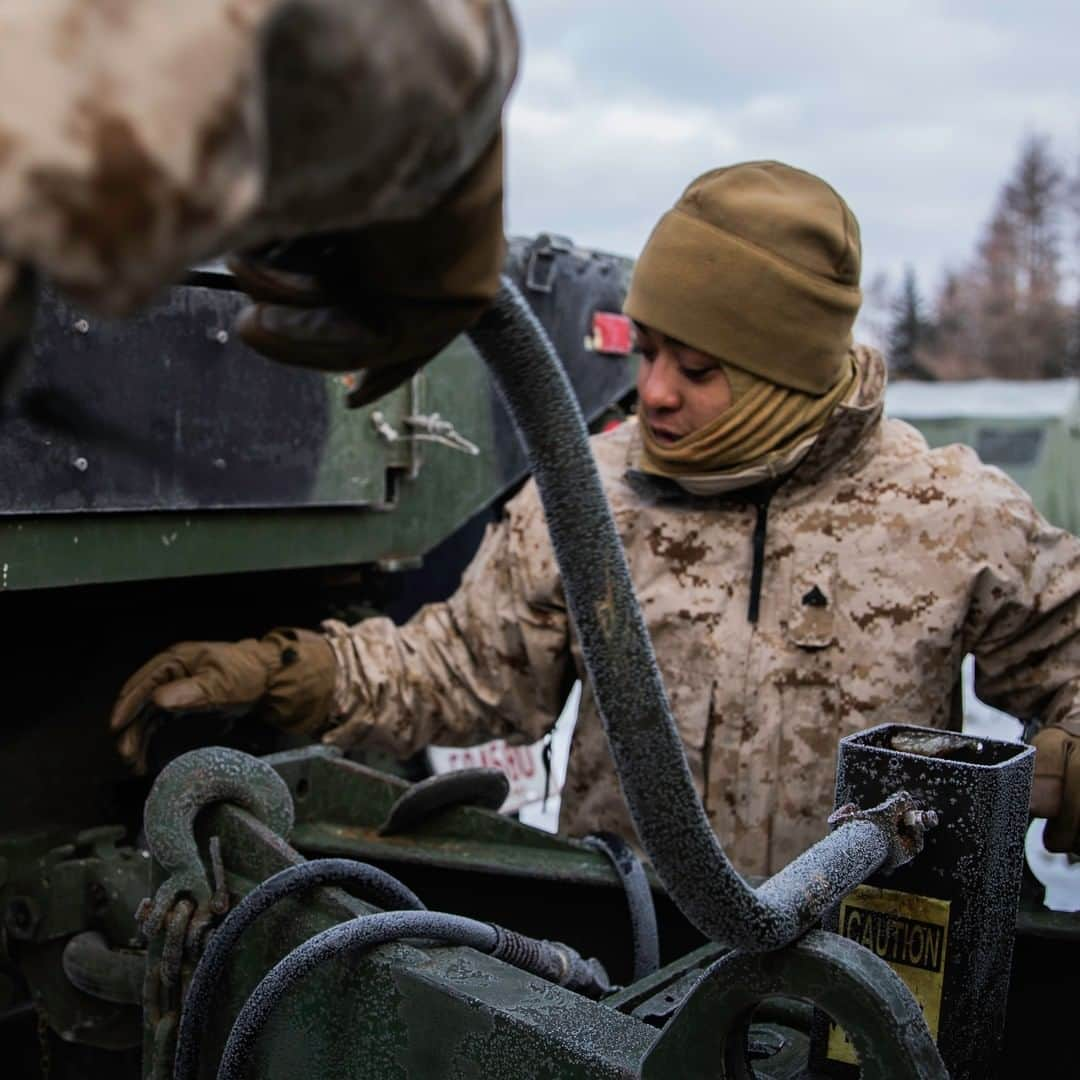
x,y
914,110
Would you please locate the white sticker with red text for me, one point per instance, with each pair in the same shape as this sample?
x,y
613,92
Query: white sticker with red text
x,y
523,765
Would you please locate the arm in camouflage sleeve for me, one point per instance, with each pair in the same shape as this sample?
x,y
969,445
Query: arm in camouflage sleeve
x,y
138,138
490,661
1024,618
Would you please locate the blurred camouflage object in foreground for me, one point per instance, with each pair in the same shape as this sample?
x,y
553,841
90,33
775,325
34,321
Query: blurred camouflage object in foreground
x,y
137,138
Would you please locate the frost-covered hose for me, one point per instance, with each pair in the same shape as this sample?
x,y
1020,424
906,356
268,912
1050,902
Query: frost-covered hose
x,y
555,962
633,705
639,900
372,884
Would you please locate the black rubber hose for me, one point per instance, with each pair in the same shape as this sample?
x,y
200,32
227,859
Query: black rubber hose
x,y
347,937
645,743
373,885
551,960
639,900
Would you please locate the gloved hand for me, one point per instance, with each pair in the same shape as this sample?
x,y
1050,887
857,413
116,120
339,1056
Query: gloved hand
x,y
1055,794
383,299
287,677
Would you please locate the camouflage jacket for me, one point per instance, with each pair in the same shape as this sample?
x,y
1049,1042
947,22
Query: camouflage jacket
x,y
884,563
139,137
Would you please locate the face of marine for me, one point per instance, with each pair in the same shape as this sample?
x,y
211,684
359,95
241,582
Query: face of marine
x,y
680,388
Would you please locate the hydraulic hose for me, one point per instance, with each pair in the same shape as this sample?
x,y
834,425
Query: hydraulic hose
x,y
645,743
551,960
639,900
372,884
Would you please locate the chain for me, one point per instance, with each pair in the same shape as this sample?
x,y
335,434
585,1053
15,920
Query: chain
x,y
44,1043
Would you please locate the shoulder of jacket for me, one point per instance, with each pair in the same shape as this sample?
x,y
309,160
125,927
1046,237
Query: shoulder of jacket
x,y
970,486
610,448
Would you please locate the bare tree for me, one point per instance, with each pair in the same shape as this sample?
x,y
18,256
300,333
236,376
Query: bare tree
x,y
1033,201
1007,309
956,350
999,300
1073,211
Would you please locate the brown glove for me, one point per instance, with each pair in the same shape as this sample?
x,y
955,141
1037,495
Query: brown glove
x,y
1055,794
287,677
385,298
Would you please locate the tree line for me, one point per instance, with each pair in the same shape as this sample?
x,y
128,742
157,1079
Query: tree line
x,y
1012,312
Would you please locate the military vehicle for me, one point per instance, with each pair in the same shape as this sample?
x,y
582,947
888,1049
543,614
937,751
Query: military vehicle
x,y
1031,430
220,917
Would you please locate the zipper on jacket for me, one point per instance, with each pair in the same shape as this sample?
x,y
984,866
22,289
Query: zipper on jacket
x,y
757,572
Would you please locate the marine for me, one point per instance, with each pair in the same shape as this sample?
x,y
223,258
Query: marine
x,y
806,568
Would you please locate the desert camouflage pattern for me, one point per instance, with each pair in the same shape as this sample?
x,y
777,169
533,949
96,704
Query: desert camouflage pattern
x,y
140,136
885,563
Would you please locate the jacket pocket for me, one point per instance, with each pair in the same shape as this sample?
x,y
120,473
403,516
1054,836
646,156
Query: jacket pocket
x,y
813,619
805,779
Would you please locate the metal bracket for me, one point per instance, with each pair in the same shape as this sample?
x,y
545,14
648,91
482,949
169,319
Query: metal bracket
x,y
466,787
707,1036
432,428
540,272
902,820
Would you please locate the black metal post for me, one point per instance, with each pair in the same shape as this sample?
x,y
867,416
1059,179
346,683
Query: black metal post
x,y
945,921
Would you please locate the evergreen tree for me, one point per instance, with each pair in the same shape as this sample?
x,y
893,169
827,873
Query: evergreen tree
x,y
909,331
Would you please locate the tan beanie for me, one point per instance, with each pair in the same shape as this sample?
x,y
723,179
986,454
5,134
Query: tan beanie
x,y
757,264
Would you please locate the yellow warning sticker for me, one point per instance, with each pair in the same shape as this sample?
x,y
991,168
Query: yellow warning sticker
x,y
910,933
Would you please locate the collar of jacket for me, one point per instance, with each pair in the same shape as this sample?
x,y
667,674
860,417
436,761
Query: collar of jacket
x,y
842,443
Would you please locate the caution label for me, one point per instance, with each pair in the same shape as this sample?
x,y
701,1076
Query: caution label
x,y
910,933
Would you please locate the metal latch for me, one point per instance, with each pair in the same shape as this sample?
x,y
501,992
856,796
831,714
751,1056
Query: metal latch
x,y
540,273
431,428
